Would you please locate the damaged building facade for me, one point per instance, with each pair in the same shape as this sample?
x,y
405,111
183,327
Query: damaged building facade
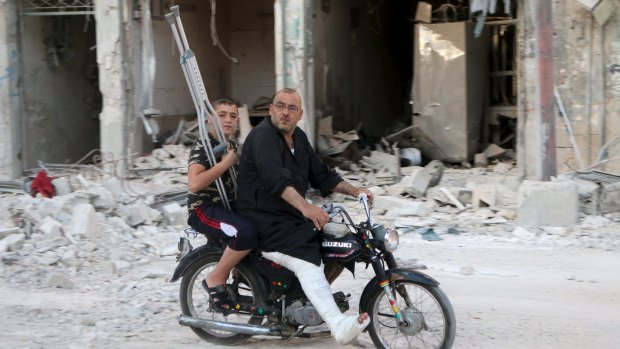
x,y
104,75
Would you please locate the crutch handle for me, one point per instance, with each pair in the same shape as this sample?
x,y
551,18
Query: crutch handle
x,y
219,149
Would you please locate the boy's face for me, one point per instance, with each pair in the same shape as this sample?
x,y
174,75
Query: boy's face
x,y
228,115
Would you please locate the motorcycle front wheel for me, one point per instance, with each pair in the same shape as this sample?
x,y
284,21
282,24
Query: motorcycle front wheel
x,y
194,298
429,320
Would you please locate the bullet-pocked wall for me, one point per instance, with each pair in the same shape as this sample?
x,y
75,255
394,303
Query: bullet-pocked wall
x,y
61,100
362,63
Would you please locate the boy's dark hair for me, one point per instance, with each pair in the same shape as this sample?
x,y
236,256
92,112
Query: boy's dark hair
x,y
226,101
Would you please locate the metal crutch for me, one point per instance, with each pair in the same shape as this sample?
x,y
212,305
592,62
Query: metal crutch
x,y
204,109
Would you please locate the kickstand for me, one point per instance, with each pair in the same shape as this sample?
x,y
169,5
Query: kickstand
x,y
300,329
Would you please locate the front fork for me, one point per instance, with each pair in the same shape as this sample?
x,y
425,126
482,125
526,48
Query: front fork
x,y
384,282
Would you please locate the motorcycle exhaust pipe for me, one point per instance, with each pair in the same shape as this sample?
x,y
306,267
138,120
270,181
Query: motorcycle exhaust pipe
x,y
225,326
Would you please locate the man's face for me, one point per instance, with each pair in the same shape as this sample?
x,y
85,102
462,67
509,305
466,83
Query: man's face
x,y
228,118
286,112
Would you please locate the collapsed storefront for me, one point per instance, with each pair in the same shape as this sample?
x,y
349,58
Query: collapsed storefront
x,y
377,68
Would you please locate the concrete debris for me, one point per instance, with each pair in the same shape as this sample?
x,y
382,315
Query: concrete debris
x,y
11,243
62,186
61,281
502,168
595,222
494,151
83,222
386,165
330,143
410,157
458,197
423,178
547,203
480,160
118,237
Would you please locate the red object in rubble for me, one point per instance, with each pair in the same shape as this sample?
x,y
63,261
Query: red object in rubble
x,y
42,184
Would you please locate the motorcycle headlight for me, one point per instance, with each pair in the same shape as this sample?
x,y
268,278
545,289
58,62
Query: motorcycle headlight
x,y
391,240
389,237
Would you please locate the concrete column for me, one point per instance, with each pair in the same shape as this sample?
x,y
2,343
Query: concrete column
x,y
537,139
294,55
10,94
112,60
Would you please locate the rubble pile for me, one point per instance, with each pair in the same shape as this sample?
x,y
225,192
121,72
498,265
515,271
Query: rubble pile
x,y
102,235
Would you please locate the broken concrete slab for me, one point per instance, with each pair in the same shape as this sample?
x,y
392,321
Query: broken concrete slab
x,y
547,203
50,227
493,151
454,196
12,243
83,222
175,214
139,213
6,231
387,203
610,198
484,196
62,186
480,160
589,196
421,180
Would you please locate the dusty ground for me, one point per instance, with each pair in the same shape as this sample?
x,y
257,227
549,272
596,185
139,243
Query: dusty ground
x,y
507,292
107,285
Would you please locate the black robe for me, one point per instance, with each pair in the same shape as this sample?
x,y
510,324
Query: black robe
x,y
266,168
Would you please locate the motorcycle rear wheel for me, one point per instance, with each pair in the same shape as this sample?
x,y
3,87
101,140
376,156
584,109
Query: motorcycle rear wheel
x,y
194,298
428,311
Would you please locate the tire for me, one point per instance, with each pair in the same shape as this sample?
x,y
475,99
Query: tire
x,y
194,298
430,314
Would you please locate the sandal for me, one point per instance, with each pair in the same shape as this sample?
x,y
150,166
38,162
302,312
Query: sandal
x,y
218,297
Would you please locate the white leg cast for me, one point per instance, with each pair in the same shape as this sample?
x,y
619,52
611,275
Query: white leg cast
x,y
312,278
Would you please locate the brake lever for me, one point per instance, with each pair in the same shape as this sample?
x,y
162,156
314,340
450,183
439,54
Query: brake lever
x,y
363,198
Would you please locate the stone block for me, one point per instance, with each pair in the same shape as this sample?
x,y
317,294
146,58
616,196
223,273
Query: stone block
x,y
139,213
547,203
419,183
62,186
494,151
480,160
462,195
610,198
588,193
484,195
12,243
429,176
83,222
50,227
175,214
6,231
405,207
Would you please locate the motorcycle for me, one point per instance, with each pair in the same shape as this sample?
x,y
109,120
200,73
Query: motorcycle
x,y
406,307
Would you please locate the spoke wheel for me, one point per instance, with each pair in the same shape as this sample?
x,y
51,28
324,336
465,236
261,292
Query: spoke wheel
x,y
195,299
427,313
